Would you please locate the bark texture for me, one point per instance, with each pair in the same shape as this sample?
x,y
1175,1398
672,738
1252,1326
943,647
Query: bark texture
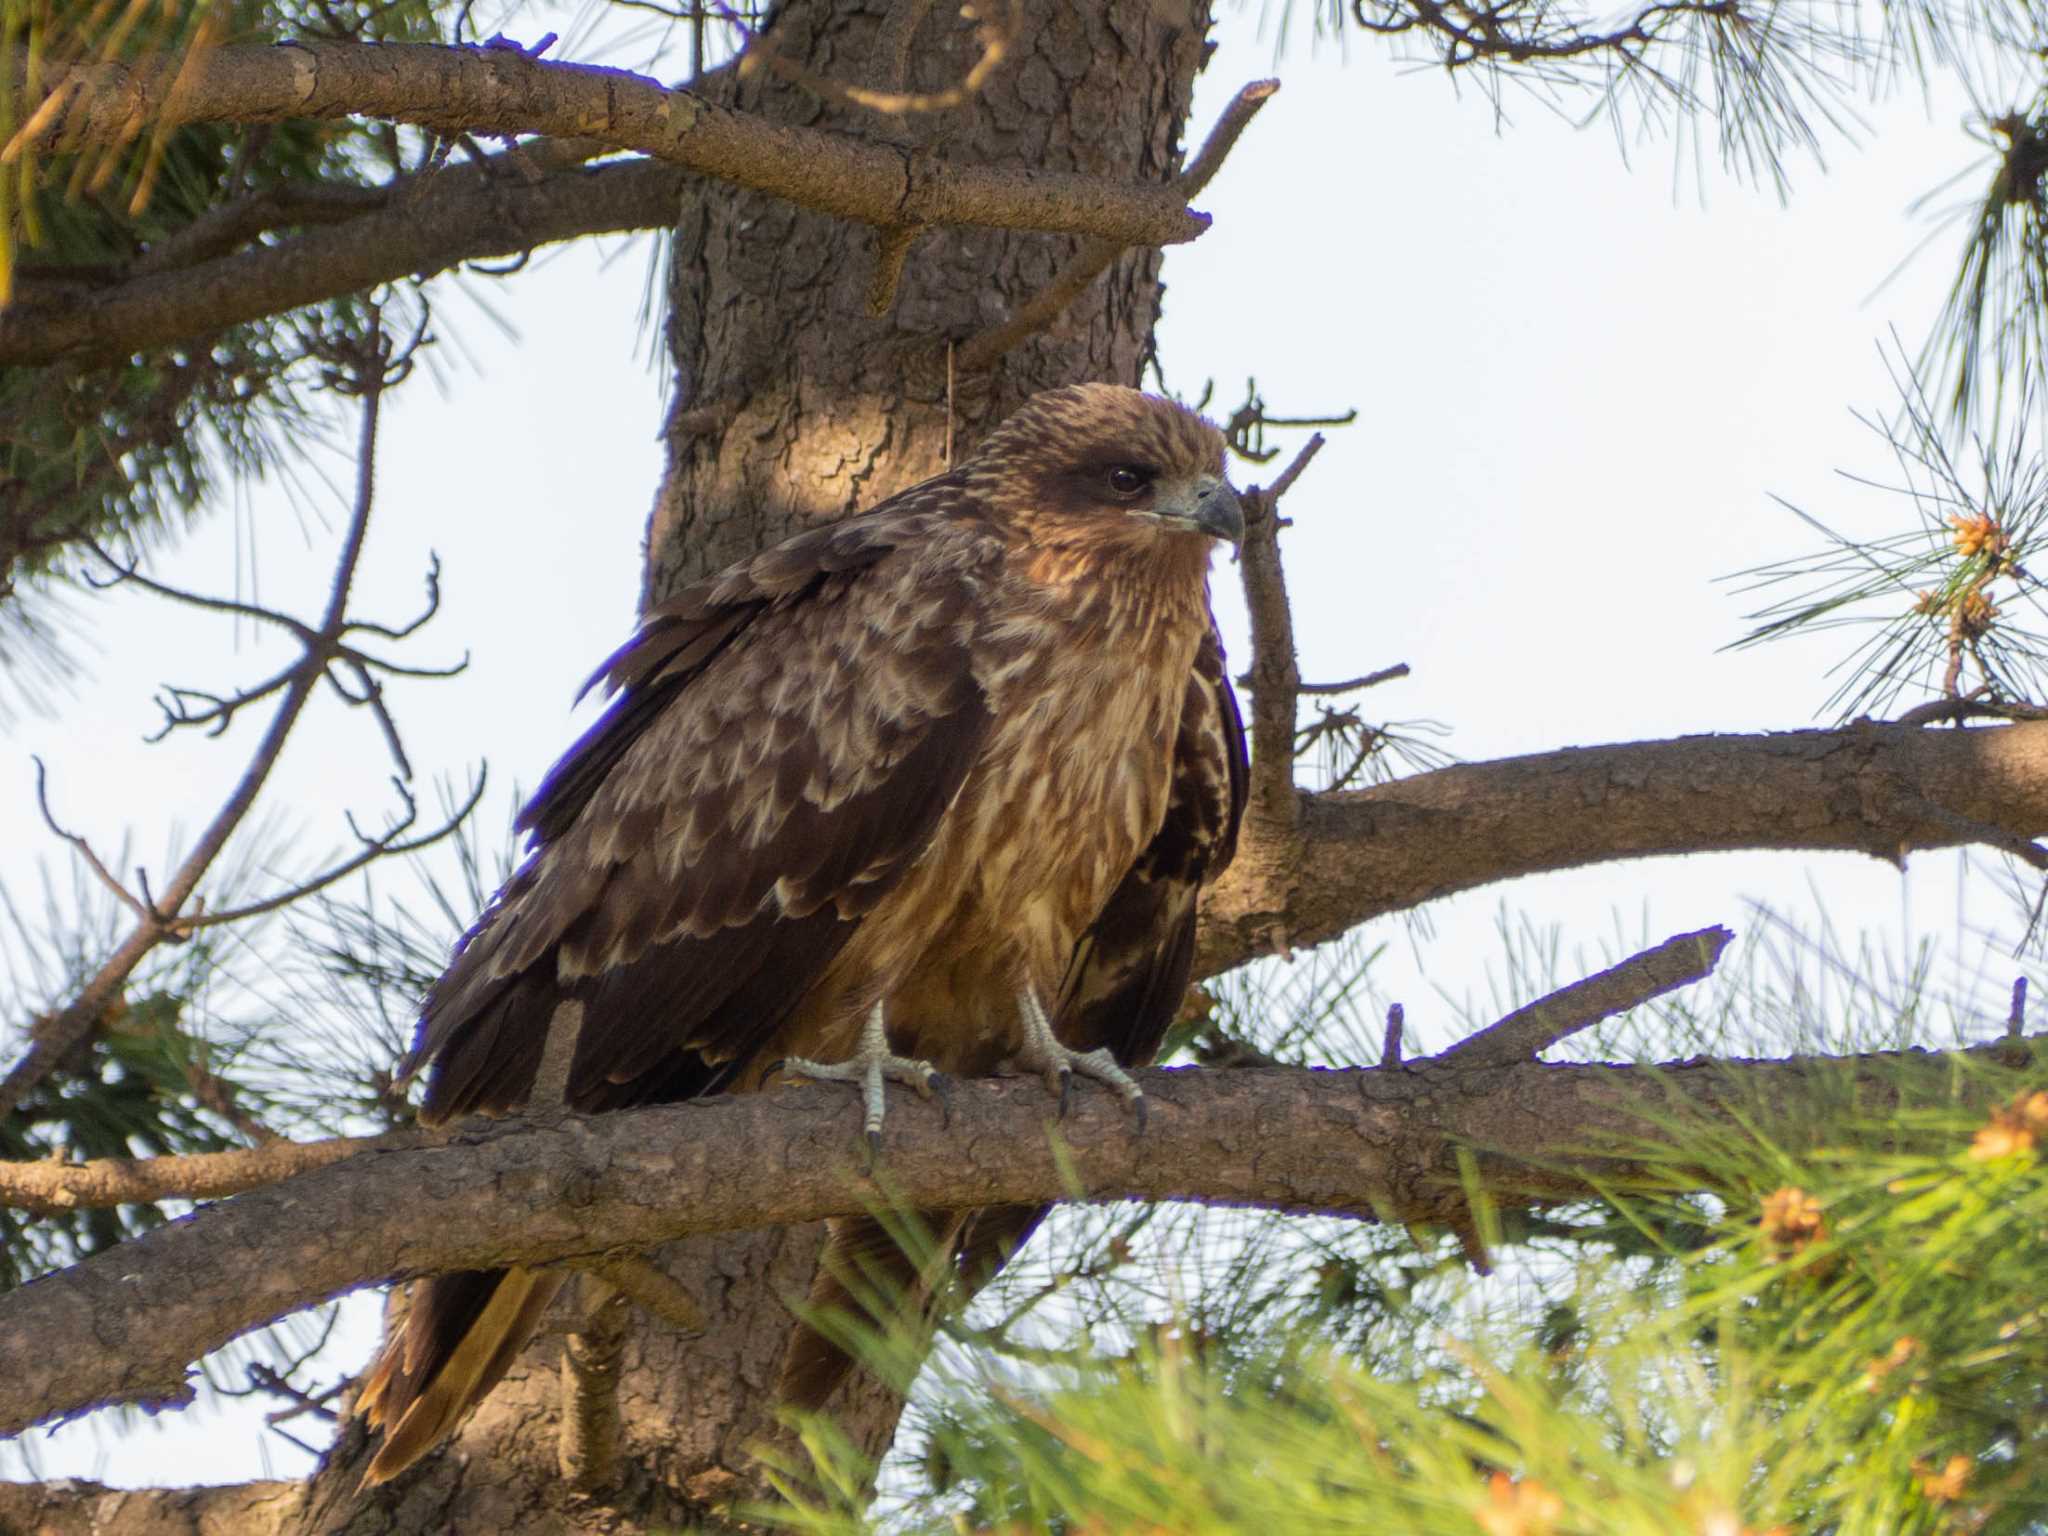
x,y
503,91
795,403
1373,1144
1884,790
71,1507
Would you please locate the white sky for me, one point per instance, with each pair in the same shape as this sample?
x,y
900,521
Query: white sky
x,y
1580,382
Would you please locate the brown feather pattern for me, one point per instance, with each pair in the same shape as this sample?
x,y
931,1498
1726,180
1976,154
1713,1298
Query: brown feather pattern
x,y
976,739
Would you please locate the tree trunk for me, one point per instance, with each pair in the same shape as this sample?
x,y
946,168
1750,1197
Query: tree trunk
x,y
794,403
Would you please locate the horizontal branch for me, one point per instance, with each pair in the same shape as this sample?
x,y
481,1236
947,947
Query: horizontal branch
x,y
72,1507
464,214
48,1187
502,91
1884,790
125,1326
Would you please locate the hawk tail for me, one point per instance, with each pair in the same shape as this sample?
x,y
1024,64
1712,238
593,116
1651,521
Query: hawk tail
x,y
461,1334
866,1280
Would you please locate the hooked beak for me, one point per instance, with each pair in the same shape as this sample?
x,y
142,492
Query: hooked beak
x,y
1210,506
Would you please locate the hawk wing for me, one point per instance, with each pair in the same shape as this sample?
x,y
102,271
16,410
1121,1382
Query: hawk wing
x,y
785,741
1131,969
783,745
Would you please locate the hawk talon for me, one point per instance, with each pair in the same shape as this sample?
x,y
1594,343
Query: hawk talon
x,y
870,1066
1058,1064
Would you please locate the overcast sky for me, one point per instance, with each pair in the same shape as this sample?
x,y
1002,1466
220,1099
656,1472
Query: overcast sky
x,y
1581,380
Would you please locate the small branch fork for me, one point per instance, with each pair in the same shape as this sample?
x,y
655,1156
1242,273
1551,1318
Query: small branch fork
x,y
364,369
587,1447
322,651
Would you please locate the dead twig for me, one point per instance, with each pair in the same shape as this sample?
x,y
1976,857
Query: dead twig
x,y
84,849
1390,1046
1350,685
364,369
1357,684
1245,431
374,846
1276,674
270,1381
1097,253
46,1187
1528,1032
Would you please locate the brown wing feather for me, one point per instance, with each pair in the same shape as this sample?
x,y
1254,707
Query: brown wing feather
x,y
785,740
1131,969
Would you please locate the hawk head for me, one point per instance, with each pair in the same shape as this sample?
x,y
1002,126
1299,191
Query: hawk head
x,y
1101,459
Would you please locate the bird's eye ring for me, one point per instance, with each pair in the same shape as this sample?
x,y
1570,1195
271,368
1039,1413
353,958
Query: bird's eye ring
x,y
1126,481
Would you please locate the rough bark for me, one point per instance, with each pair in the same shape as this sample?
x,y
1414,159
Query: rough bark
x,y
793,403
502,91
71,1507
1884,790
1373,1144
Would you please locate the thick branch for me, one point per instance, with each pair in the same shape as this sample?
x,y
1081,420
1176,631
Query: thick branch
x,y
502,91
1372,1144
462,215
1883,790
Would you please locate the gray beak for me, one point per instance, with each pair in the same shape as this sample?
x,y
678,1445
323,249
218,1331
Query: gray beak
x,y
1211,508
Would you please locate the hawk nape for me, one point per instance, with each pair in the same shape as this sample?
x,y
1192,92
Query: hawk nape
x,y
942,779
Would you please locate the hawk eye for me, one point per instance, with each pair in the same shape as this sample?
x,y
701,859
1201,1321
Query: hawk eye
x,y
1126,481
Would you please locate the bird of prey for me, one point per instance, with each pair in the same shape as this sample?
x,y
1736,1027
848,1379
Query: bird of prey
x,y
930,789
